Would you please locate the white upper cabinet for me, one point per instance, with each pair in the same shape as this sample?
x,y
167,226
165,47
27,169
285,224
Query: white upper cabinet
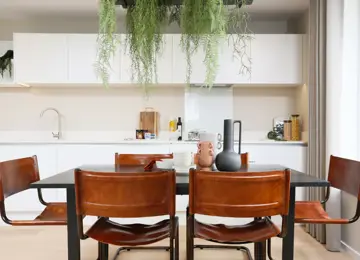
x,y
229,70
198,69
164,62
71,58
228,65
40,58
277,59
82,62
4,47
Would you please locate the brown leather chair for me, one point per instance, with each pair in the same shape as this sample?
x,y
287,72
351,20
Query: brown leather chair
x,y
244,163
344,174
16,176
138,159
128,195
235,194
244,159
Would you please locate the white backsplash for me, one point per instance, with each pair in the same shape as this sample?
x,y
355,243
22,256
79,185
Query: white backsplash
x,y
100,114
206,110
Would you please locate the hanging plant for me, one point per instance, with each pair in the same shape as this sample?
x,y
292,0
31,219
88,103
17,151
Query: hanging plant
x,y
191,26
145,21
175,14
107,39
6,62
241,35
211,41
203,23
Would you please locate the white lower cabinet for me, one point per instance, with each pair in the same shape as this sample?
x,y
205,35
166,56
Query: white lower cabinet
x,y
291,156
56,158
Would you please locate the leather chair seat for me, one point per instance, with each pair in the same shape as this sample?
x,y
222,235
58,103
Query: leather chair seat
x,y
110,232
54,212
255,231
313,212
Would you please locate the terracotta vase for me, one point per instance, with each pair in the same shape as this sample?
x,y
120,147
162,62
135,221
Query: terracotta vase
x,y
205,156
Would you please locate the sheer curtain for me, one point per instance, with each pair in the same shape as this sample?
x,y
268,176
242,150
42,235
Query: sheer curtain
x,y
317,105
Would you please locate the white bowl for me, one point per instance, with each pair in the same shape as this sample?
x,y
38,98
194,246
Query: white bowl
x,y
184,159
165,163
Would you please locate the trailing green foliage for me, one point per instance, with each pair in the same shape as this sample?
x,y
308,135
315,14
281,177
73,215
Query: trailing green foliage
x,y
217,23
145,39
241,35
107,39
192,30
174,16
203,23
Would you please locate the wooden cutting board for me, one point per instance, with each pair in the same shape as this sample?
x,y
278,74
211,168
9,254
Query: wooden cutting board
x,y
149,120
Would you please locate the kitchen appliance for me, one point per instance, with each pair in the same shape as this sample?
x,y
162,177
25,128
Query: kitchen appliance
x,y
228,160
149,120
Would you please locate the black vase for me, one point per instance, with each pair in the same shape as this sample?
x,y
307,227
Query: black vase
x,y
228,160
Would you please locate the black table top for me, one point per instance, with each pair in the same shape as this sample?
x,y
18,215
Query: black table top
x,y
66,179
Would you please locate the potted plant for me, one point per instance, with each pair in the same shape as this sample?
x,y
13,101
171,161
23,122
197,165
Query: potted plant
x,y
6,62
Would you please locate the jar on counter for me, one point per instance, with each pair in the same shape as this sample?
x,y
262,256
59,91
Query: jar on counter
x,y
287,130
172,125
295,128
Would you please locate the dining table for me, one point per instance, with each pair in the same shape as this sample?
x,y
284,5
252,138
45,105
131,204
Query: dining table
x,y
65,180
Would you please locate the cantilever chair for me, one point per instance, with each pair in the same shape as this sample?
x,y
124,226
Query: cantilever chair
x,y
128,195
344,174
16,176
235,194
244,162
138,159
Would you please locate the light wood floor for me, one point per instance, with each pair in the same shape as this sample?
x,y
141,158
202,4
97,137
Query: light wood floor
x,y
49,243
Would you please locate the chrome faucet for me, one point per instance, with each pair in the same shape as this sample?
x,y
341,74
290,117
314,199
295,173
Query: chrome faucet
x,y
55,135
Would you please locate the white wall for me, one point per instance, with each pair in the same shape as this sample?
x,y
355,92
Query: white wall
x,y
97,109
86,109
348,112
256,107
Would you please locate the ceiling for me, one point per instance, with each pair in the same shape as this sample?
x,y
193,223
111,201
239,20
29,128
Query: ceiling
x,y
23,9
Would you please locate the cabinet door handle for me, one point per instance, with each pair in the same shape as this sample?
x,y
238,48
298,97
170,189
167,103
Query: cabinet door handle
x,y
251,161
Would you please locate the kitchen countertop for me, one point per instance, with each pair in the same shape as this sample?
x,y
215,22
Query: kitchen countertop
x,y
108,138
140,142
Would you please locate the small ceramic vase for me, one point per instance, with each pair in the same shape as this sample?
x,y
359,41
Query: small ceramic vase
x,y
205,156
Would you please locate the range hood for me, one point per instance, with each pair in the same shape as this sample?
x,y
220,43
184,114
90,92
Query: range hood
x,y
127,3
